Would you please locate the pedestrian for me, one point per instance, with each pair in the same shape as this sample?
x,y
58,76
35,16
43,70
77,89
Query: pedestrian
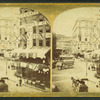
x,y
61,66
20,82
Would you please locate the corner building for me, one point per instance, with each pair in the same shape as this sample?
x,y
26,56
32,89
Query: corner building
x,y
34,29
86,35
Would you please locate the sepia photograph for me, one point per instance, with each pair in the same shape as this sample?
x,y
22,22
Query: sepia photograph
x,y
24,50
76,51
49,50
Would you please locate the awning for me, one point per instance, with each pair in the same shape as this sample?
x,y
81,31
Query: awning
x,y
41,52
15,63
37,52
34,52
23,64
45,69
36,68
41,67
32,66
66,56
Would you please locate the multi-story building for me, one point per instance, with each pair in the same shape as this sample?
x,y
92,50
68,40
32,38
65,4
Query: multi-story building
x,y
86,35
34,36
64,44
7,34
34,29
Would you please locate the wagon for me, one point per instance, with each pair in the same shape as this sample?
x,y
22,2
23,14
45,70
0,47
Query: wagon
x,y
59,64
67,60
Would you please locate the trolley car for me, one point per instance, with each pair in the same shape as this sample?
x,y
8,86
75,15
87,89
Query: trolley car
x,y
66,61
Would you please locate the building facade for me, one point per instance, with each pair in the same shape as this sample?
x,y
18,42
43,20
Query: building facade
x,y
7,34
34,29
86,35
64,44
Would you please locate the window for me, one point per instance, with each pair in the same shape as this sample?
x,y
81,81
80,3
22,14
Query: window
x,y
85,39
47,41
20,21
25,44
47,28
25,11
26,33
5,38
40,42
34,29
40,29
41,17
34,42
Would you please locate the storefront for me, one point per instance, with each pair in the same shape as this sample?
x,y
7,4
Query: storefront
x,y
33,73
40,55
33,65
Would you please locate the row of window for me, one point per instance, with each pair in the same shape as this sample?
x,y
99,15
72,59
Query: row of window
x,y
41,42
81,39
40,29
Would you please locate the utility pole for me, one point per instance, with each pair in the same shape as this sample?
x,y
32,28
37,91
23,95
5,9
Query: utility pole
x,y
6,64
86,67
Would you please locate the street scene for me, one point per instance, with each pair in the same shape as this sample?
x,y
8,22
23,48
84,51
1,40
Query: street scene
x,y
76,51
24,50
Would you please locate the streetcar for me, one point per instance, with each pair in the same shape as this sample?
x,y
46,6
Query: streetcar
x,y
66,61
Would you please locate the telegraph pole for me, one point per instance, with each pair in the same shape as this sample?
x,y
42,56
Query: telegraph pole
x,y
86,68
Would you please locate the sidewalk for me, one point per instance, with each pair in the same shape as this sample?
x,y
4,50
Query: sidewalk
x,y
15,80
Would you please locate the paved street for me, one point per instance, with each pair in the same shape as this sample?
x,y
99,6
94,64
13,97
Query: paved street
x,y
62,78
13,80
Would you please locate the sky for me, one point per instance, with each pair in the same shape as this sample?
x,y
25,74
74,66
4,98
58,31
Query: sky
x,y
64,22
9,11
61,17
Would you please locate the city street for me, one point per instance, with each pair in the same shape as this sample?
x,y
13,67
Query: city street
x,y
62,78
13,80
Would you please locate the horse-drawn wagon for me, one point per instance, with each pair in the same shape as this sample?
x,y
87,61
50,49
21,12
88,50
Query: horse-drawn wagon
x,y
65,61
